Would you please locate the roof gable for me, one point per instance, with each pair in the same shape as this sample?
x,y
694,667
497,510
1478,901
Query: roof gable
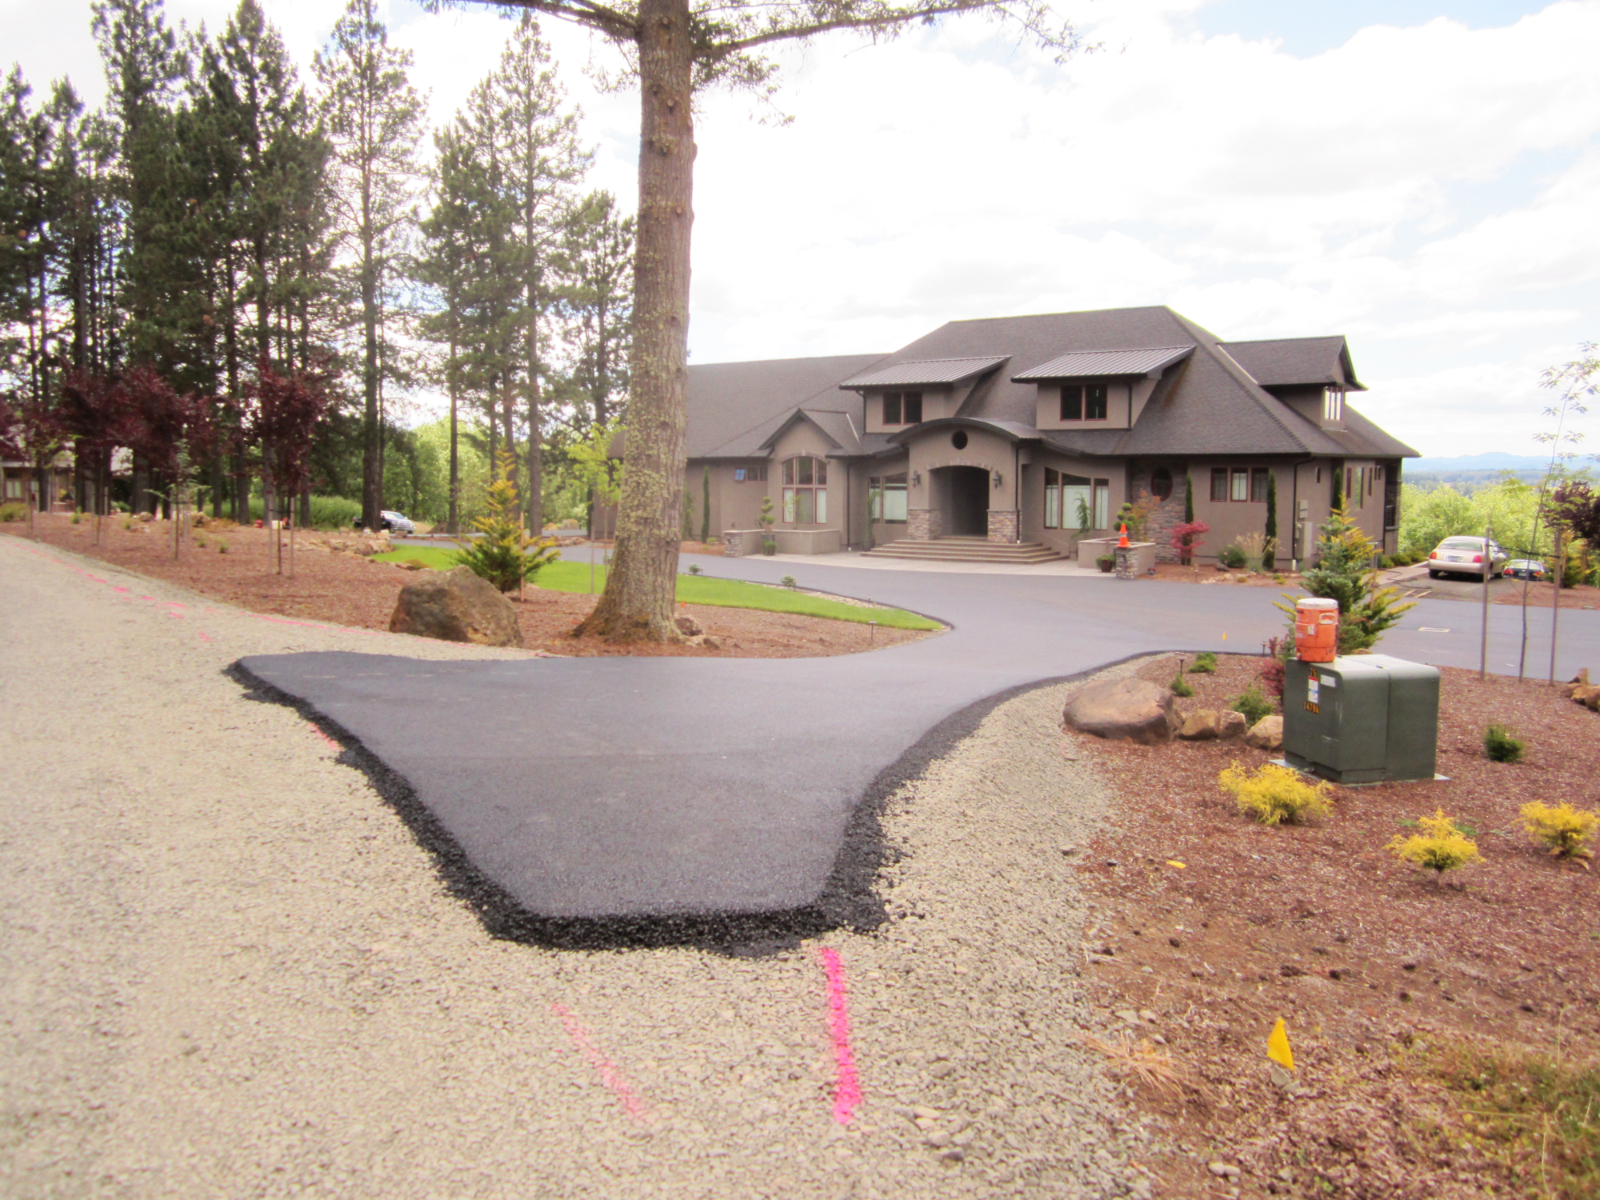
x,y
1305,362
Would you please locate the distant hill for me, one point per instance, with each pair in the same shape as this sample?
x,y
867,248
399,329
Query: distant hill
x,y
1494,460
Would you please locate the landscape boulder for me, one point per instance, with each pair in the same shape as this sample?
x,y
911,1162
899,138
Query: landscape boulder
x,y
1231,724
1128,709
1266,734
456,606
688,626
1199,726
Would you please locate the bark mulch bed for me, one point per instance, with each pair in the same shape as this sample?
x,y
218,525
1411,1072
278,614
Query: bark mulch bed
x,y
344,589
1209,573
1387,980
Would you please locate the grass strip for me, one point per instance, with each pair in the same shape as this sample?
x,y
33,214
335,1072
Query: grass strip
x,y
564,576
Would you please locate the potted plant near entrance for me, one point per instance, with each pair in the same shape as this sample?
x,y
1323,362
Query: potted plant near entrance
x,y
765,519
1106,562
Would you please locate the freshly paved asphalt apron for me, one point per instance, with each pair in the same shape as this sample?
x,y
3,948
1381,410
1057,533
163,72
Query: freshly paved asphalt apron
x,y
628,789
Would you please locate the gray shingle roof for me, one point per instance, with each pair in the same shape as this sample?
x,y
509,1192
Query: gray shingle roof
x,y
1086,364
1287,362
733,407
1206,401
927,372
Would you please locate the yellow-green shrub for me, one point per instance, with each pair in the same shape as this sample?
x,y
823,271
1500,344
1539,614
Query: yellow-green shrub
x,y
1563,828
1274,794
1440,847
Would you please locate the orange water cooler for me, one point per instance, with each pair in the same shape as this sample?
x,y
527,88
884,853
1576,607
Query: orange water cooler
x,y
1316,630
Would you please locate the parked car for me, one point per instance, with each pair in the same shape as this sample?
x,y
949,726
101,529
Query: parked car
x,y
396,522
1464,556
1523,568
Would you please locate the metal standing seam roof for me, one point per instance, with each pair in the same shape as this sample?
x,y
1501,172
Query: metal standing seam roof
x,y
1089,363
928,372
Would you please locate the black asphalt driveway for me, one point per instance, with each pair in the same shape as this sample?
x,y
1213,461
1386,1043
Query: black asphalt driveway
x,y
621,789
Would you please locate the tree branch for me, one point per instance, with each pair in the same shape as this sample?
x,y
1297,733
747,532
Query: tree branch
x,y
609,21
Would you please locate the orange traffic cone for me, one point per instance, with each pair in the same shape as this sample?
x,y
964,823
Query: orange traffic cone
x,y
1122,542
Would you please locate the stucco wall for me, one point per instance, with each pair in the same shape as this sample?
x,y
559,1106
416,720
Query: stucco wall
x,y
1064,540
805,438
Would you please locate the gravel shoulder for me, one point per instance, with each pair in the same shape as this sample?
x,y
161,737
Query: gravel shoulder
x,y
230,970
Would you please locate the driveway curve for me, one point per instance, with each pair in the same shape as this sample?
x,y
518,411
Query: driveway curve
x,y
593,800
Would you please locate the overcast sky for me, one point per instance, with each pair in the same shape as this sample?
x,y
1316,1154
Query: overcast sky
x,y
1419,175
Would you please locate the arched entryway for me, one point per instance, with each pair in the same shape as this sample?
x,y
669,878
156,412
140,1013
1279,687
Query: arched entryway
x,y
961,495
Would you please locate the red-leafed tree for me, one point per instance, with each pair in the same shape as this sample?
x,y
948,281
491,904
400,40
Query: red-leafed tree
x,y
171,431
1188,537
92,410
284,408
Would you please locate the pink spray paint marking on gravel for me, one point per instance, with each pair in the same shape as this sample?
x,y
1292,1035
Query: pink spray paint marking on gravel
x,y
846,1084
604,1067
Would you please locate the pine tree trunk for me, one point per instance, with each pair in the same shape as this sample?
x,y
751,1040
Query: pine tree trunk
x,y
638,598
454,514
371,469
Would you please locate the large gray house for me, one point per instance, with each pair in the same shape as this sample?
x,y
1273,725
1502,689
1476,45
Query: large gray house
x,y
1031,432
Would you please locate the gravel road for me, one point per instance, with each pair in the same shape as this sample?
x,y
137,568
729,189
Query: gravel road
x,y
227,969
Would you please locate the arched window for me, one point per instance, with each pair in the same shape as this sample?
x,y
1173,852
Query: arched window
x,y
805,490
1161,483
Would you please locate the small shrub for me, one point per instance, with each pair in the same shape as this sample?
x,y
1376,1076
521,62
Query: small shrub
x,y
77,517
222,546
504,555
1500,746
1276,794
789,581
1563,828
200,541
1204,663
1274,664
694,569
15,510
128,524
1180,686
1252,704
1232,556
1440,847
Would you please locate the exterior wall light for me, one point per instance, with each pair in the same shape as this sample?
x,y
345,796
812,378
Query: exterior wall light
x,y
997,481
916,479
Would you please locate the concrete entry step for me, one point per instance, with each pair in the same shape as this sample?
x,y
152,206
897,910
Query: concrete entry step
x,y
967,549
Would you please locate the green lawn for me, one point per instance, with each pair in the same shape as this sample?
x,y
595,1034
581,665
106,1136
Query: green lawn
x,y
562,576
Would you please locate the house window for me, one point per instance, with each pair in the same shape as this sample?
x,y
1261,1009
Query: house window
x,y
13,489
1069,501
888,498
902,408
1102,504
1161,483
757,474
1238,484
1083,402
805,490
1332,405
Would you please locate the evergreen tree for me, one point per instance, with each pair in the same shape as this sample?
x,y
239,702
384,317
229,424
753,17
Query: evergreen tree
x,y
373,117
1269,550
1188,499
596,266
542,162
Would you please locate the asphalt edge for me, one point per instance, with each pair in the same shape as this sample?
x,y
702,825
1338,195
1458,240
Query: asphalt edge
x,y
849,900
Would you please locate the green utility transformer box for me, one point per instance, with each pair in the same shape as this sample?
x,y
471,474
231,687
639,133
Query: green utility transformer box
x,y
1361,718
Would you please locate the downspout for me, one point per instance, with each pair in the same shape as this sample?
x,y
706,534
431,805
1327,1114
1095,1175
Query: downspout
x,y
1016,484
1295,509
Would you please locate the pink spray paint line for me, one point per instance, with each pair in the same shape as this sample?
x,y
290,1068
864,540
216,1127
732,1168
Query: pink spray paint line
x,y
317,729
604,1067
846,1084
204,636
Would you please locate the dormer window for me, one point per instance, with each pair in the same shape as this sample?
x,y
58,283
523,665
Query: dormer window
x,y
1332,405
902,408
1083,402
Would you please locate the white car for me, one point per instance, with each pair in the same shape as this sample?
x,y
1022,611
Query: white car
x,y
396,522
1464,556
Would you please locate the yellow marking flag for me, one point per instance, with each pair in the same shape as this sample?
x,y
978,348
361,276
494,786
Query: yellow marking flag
x,y
1172,862
1278,1046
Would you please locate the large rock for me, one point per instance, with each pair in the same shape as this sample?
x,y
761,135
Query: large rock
x,y
1199,726
456,606
1266,734
1231,724
1131,709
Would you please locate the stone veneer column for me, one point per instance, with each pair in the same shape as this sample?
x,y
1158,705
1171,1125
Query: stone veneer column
x,y
924,524
1004,525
